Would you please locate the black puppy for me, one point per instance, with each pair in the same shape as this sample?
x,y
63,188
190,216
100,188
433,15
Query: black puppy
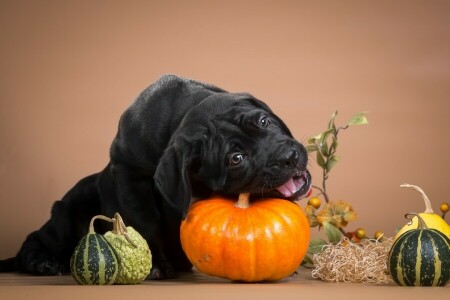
x,y
180,140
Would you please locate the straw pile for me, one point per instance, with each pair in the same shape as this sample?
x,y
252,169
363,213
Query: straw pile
x,y
354,262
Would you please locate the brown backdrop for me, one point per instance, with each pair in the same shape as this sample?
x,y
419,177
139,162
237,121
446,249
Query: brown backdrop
x,y
68,69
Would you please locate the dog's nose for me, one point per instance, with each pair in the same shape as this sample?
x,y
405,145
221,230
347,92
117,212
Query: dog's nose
x,y
290,159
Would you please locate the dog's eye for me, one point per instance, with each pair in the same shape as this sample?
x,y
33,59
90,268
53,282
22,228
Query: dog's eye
x,y
236,159
264,122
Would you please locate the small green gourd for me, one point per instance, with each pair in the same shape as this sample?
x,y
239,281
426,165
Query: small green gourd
x,y
420,257
94,261
135,258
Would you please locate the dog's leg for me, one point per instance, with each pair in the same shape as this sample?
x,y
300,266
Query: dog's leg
x,y
131,192
169,257
47,251
43,252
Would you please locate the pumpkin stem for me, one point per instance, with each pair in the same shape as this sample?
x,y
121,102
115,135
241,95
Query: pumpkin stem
x,y
428,208
421,224
91,225
119,228
243,200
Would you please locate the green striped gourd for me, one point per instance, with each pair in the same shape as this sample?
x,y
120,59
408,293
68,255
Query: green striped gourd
x,y
94,262
420,257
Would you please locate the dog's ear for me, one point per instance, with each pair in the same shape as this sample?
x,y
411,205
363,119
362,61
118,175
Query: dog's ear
x,y
172,177
212,170
188,156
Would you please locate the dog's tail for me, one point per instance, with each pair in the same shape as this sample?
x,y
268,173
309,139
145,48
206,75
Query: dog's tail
x,y
8,265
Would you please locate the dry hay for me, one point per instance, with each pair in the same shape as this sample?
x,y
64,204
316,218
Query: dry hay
x,y
354,262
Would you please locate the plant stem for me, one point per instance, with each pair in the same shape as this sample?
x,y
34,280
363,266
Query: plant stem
x,y
324,185
121,229
428,208
318,188
342,127
91,224
420,224
331,151
343,231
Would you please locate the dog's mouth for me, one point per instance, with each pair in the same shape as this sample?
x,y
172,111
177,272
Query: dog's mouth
x,y
298,186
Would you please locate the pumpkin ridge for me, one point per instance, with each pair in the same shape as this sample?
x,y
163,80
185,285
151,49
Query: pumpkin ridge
x,y
220,216
222,249
406,267
284,216
75,262
252,245
95,274
399,268
442,243
260,212
216,215
86,262
437,263
210,216
229,233
101,262
287,222
443,238
418,265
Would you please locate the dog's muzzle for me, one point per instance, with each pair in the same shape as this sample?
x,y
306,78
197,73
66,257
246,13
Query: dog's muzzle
x,y
293,160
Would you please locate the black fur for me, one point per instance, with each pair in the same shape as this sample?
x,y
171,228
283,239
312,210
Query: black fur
x,y
181,139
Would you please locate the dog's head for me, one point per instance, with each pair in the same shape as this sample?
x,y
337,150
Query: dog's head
x,y
230,144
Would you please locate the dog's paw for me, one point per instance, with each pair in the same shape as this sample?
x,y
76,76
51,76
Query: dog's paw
x,y
162,271
47,267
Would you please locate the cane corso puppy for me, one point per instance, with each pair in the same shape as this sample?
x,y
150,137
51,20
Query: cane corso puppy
x,y
180,140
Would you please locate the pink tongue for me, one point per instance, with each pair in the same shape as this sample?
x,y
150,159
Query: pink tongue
x,y
287,189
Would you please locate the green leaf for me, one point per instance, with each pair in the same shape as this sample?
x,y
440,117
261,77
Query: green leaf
x,y
324,149
307,261
332,161
315,139
320,160
311,148
331,125
320,138
332,232
324,135
334,144
359,119
315,246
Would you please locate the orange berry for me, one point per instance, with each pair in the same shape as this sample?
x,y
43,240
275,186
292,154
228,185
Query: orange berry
x,y
378,234
314,202
360,233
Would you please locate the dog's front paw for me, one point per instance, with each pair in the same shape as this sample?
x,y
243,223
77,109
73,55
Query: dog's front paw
x,y
164,270
46,267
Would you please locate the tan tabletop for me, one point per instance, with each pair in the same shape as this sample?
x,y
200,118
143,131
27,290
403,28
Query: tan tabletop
x,y
198,286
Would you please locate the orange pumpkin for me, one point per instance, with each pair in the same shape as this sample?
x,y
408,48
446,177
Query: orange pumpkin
x,y
264,240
